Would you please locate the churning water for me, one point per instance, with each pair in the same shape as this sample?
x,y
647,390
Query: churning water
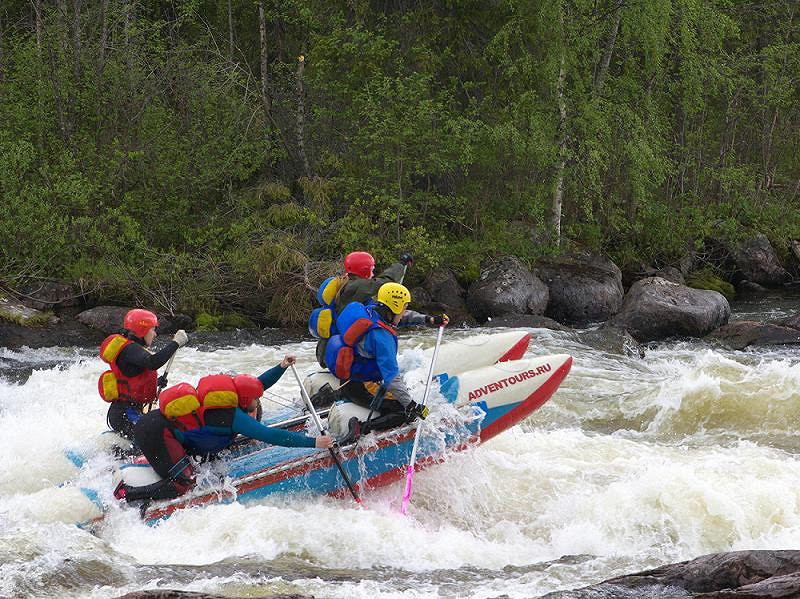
x,y
633,463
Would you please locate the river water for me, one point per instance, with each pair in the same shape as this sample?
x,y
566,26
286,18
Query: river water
x,y
633,463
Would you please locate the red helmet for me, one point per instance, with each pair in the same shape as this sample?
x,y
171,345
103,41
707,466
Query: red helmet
x,y
248,388
139,321
360,264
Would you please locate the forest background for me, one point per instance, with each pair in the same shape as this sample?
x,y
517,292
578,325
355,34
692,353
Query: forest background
x,y
216,156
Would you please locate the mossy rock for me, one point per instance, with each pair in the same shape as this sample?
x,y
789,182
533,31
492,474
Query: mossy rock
x,y
212,323
705,279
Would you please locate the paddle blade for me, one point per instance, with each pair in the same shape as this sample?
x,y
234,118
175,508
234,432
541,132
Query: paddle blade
x,y
407,492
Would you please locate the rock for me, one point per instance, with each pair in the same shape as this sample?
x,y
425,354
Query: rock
x,y
174,594
793,321
506,287
64,333
670,273
443,288
740,574
528,321
740,334
419,297
655,309
756,261
745,286
16,312
612,340
583,289
47,295
108,319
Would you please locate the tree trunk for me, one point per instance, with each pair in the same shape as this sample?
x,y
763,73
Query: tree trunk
x,y
230,32
37,8
301,111
609,50
1,47
265,99
558,192
76,40
103,36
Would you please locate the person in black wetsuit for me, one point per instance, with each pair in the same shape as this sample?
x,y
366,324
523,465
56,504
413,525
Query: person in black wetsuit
x,y
132,381
203,421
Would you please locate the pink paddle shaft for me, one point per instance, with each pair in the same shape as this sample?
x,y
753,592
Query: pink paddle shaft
x,y
410,471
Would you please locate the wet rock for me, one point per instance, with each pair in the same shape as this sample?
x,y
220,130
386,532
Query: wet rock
x,y
506,287
755,260
48,295
612,340
793,321
12,310
583,289
443,288
740,574
741,334
173,594
108,319
655,309
746,286
670,273
64,333
529,321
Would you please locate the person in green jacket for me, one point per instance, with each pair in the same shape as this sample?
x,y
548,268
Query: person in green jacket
x,y
359,285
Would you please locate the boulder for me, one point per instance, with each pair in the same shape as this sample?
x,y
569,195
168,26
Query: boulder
x,y
744,286
792,321
583,289
756,261
506,287
740,574
740,334
108,319
46,295
527,321
17,312
612,340
444,289
655,308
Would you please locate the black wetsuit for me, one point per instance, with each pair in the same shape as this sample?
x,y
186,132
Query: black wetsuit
x,y
132,361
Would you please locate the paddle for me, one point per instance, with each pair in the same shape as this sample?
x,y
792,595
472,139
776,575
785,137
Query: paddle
x,y
410,471
324,431
166,372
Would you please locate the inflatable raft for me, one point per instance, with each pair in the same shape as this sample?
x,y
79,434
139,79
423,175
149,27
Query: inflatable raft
x,y
477,405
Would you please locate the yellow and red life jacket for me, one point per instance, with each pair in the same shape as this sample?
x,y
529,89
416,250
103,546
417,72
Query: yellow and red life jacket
x,y
115,386
186,405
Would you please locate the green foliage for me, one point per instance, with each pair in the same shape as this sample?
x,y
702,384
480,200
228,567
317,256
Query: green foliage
x,y
138,155
706,278
209,323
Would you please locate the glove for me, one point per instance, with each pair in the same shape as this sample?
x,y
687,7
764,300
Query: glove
x,y
162,381
415,410
181,338
405,258
437,321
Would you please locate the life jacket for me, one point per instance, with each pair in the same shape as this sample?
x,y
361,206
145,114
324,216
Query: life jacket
x,y
185,407
322,322
342,355
115,386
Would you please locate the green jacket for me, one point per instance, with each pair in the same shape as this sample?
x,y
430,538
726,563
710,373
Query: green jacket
x,y
360,290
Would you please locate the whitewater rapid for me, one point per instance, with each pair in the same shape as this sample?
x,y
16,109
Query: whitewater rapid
x,y
633,463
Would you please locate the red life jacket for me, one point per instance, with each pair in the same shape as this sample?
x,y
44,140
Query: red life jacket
x,y
115,386
186,406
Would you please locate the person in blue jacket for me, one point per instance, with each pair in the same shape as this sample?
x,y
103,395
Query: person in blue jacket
x,y
202,422
365,355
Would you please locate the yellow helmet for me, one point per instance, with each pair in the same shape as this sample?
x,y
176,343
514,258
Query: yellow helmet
x,y
394,296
